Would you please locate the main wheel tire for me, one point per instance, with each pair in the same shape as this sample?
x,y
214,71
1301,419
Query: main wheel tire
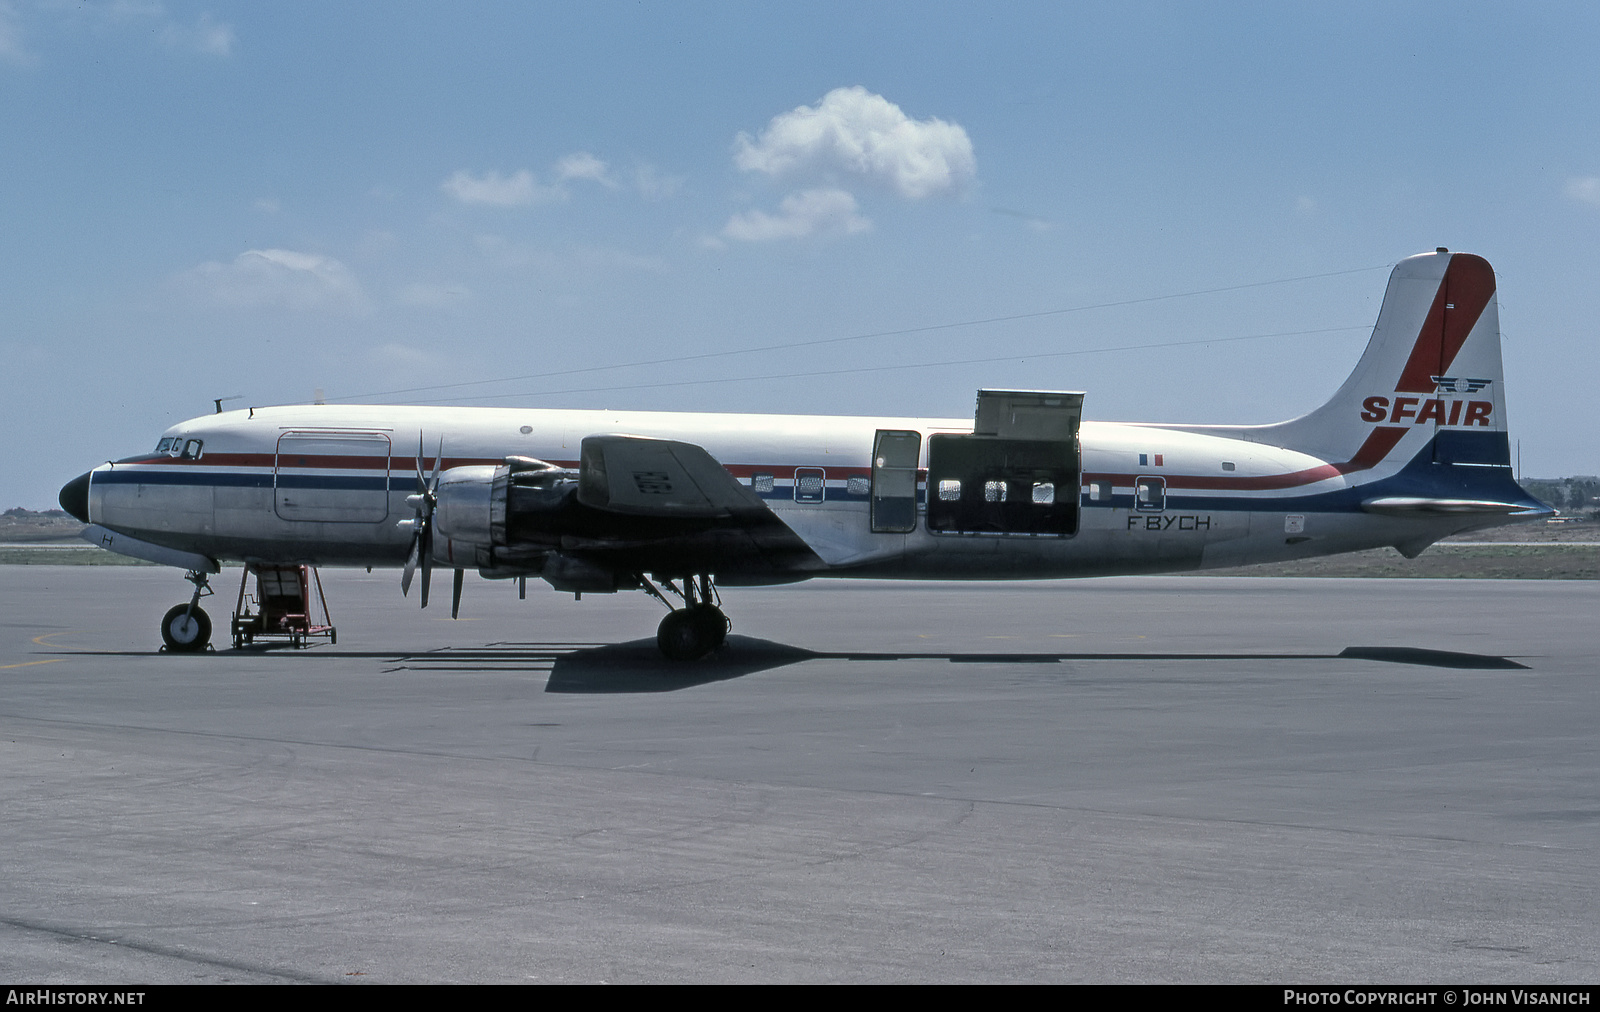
x,y
681,638
711,623
185,633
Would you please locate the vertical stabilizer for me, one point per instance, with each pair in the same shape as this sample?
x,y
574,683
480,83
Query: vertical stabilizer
x,y
1430,377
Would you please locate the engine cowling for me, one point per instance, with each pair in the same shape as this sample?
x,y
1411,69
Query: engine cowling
x,y
490,517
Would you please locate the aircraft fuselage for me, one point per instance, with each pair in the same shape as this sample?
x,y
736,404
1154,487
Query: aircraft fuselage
x,y
284,484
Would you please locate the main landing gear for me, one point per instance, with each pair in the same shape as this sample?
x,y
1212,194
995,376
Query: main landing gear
x,y
186,628
695,629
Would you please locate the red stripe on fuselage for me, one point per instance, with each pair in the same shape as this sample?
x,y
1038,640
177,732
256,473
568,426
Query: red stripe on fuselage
x,y
405,465
1463,294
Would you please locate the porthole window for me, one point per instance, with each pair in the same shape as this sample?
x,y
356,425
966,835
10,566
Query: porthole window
x,y
1150,494
809,484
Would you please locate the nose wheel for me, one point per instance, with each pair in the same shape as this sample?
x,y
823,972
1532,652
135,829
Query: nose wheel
x,y
694,630
186,628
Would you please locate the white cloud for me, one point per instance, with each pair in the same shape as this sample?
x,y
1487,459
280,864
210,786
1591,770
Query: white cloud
x,y
1585,190
857,132
521,188
207,35
275,279
801,214
516,190
583,165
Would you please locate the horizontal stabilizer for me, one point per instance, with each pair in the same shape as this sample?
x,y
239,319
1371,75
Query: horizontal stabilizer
x,y
642,476
1410,506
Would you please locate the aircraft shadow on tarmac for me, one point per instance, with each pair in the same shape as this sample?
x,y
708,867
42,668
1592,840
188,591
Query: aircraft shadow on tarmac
x,y
637,666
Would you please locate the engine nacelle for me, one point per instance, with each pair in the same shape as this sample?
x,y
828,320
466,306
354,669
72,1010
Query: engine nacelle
x,y
463,534
475,507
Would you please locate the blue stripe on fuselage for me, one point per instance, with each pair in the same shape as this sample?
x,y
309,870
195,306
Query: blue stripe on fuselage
x,y
212,478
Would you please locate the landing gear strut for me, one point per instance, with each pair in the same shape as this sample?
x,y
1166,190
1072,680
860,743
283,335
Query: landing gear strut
x,y
186,629
698,627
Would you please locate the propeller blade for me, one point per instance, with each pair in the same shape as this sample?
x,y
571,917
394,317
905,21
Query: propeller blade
x,y
455,594
422,485
433,485
427,561
411,566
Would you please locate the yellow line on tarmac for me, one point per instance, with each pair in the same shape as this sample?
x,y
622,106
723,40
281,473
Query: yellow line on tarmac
x,y
40,640
28,664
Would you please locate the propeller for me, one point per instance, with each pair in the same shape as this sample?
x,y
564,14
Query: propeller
x,y
421,526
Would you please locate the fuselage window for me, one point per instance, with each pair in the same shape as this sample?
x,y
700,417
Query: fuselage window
x,y
809,484
858,486
949,490
761,482
1150,494
994,491
1044,492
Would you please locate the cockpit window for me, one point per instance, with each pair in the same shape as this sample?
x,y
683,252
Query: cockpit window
x,y
191,448
164,445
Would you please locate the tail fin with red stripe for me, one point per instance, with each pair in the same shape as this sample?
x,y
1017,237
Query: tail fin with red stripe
x,y
1431,375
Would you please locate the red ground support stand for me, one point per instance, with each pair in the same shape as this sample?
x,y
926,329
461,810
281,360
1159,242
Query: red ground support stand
x,y
281,606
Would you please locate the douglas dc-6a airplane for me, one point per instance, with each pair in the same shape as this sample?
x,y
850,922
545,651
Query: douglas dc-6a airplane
x,y
1412,448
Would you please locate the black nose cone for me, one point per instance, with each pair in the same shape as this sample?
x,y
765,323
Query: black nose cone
x,y
75,497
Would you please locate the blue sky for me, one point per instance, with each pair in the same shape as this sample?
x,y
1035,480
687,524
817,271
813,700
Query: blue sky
x,y
208,199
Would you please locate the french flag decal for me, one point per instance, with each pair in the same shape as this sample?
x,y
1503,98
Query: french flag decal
x,y
1144,460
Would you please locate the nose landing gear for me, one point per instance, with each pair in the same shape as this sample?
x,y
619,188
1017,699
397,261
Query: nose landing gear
x,y
186,628
698,627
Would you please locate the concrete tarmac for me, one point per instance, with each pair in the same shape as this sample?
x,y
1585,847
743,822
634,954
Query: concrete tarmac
x,y
1158,779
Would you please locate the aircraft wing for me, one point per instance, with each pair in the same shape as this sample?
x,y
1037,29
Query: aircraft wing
x,y
642,476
